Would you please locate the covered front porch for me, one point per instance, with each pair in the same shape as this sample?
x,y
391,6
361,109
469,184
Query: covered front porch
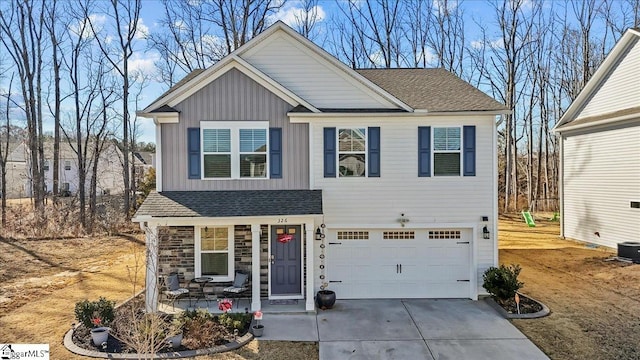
x,y
272,244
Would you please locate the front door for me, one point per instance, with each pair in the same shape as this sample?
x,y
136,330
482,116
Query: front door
x,y
286,264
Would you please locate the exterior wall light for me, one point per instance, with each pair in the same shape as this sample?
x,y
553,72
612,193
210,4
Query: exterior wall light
x,y
485,233
319,234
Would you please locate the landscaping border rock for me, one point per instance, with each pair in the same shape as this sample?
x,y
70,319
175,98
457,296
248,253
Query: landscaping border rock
x,y
542,313
71,346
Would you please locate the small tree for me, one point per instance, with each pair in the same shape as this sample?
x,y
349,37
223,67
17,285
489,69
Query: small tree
x,y
502,283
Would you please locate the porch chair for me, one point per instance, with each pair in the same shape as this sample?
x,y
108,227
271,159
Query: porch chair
x,y
170,287
239,287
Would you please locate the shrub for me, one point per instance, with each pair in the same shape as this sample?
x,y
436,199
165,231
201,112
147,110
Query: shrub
x,y
502,283
95,313
235,321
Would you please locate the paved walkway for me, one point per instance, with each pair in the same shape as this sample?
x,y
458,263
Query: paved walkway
x,y
405,329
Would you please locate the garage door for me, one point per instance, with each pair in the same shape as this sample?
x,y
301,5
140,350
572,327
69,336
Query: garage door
x,y
419,263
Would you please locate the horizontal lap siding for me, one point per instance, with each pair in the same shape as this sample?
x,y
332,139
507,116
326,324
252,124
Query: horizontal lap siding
x,y
621,90
234,97
601,177
293,66
423,200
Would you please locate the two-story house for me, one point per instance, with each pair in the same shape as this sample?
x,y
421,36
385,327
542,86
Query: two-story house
x,y
283,162
109,172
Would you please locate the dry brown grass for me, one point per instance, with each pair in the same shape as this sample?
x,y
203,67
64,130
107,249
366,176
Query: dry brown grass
x,y
594,302
41,280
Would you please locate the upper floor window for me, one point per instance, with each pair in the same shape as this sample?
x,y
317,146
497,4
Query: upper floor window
x,y
233,150
67,165
446,151
352,150
46,165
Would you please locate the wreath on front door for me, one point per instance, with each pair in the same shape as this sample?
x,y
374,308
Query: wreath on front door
x,y
285,238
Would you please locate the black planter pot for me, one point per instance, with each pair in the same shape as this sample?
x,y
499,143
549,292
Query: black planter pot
x,y
325,299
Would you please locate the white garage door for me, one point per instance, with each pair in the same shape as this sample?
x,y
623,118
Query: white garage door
x,y
419,263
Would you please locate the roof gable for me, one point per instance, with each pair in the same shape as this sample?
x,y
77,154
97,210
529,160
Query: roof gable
x,y
312,73
613,92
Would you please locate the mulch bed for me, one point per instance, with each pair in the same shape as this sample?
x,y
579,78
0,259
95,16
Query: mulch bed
x,y
527,306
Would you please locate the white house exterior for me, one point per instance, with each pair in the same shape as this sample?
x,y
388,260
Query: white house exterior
x,y
600,152
385,179
109,179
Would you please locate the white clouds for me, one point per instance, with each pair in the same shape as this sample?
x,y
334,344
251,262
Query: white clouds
x,y
83,29
293,15
492,44
142,64
444,6
142,30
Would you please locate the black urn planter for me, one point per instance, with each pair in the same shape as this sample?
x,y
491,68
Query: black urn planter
x,y
325,299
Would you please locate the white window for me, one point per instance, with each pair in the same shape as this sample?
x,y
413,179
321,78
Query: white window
x,y
352,152
46,165
399,235
234,150
214,252
446,151
444,234
67,165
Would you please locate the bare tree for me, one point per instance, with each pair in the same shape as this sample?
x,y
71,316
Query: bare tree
x,y
416,29
307,18
446,35
377,28
125,16
5,131
22,30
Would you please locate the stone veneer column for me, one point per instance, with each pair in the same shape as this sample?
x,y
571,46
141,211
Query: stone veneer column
x,y
151,303
255,267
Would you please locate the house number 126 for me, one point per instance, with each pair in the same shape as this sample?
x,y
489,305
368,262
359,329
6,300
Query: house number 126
x,y
282,220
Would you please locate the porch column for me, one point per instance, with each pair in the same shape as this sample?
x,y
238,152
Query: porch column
x,y
151,279
310,261
255,267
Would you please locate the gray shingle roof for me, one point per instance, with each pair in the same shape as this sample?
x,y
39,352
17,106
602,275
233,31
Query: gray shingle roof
x,y
232,203
434,90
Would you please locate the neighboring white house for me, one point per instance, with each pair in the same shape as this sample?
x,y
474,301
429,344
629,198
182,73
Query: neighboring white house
x,y
109,179
600,152
283,162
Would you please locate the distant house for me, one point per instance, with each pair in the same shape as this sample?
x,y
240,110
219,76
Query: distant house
x,y
282,162
109,179
600,152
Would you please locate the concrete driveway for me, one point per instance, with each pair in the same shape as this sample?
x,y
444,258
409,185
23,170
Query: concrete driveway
x,y
406,329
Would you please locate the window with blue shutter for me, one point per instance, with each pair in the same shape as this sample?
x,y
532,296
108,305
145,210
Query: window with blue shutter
x,y
374,152
193,151
424,151
469,150
329,152
275,153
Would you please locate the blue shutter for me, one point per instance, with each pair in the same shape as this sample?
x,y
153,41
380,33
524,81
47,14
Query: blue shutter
x,y
374,152
424,151
275,153
329,152
193,150
469,150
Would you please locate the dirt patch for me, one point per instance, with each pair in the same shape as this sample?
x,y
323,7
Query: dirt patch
x,y
594,302
526,306
41,280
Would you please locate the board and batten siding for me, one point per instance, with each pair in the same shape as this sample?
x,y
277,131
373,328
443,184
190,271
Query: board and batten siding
x,y
235,97
379,201
621,89
292,65
601,177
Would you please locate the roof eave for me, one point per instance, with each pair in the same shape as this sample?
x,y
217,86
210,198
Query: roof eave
x,y
628,39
